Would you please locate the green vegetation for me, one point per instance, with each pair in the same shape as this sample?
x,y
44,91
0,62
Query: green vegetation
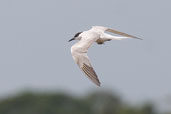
x,y
60,103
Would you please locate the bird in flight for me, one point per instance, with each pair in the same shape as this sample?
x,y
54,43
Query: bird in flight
x,y
86,39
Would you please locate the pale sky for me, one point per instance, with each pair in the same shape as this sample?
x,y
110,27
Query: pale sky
x,y
35,52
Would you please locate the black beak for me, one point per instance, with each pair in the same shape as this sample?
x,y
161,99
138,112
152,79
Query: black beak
x,y
71,39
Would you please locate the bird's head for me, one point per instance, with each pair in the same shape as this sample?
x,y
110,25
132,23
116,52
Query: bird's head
x,y
76,36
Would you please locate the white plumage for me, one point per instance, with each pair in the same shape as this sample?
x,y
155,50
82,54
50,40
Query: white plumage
x,y
86,39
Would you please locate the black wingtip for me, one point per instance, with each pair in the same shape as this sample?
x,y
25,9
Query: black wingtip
x,y
138,38
99,85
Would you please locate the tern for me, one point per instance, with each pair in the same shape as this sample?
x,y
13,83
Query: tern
x,y
86,39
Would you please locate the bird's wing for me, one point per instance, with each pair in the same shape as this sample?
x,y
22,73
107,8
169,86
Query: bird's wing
x,y
80,57
121,33
101,28
89,71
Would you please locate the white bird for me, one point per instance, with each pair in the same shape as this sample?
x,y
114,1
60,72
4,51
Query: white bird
x,y
86,39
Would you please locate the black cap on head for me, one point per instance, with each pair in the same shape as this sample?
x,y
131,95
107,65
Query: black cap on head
x,y
76,35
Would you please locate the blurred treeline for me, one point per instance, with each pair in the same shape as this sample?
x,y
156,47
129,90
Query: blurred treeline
x,y
62,103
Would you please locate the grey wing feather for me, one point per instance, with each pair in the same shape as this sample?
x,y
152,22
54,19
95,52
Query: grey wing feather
x,y
121,33
101,28
89,71
80,57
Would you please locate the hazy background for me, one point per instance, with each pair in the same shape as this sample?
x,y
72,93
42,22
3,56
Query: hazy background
x,y
35,53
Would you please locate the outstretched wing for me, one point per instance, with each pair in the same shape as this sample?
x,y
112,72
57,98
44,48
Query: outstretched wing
x,y
121,33
89,71
80,57
101,28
